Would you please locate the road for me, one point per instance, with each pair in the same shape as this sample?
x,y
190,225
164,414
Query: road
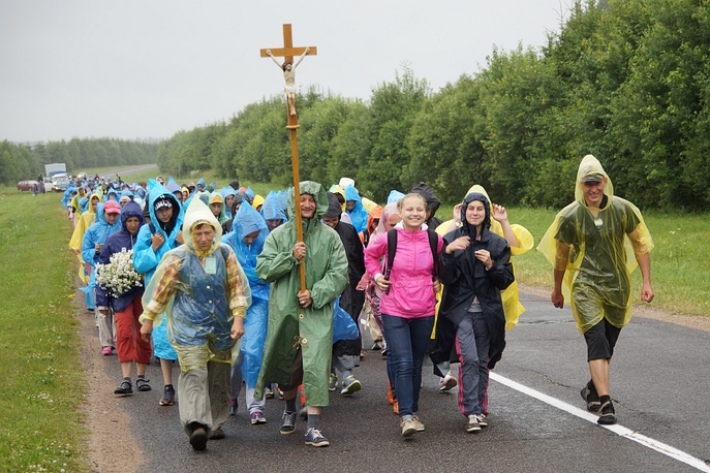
x,y
660,382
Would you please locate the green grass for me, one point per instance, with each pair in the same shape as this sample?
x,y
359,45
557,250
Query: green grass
x,y
42,386
680,270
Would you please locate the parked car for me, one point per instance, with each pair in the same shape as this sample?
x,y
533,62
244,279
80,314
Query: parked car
x,y
26,185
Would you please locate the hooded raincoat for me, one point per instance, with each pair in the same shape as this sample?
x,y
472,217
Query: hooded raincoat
x,y
358,215
199,293
145,259
290,325
464,277
248,221
597,279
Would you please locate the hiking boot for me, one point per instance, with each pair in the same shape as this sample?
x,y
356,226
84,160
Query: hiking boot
x,y
168,398
288,426
473,425
315,438
418,424
332,382
198,438
607,415
447,382
257,417
124,389
350,385
409,428
591,398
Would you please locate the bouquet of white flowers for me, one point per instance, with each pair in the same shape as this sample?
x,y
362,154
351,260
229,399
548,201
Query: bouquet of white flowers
x,y
119,276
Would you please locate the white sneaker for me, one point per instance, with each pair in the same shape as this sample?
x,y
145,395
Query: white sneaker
x,y
447,383
473,425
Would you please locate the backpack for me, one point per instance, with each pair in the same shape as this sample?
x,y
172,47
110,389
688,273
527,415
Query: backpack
x,y
392,249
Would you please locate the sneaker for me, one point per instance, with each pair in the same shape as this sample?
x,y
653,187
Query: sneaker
x,y
257,417
217,434
279,393
106,351
483,420
288,426
268,393
332,382
592,399
376,346
409,428
233,406
168,398
473,425
418,424
315,438
198,438
124,389
350,385
303,413
447,383
607,415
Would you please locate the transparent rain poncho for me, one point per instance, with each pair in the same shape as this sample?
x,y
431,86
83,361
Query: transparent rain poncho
x,y
602,252
198,294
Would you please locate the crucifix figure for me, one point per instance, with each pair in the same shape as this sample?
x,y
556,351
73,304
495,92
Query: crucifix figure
x,y
289,69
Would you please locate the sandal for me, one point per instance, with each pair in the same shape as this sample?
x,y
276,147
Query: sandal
x,y
124,389
142,384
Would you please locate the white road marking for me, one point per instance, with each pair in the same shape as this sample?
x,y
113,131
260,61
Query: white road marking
x,y
619,430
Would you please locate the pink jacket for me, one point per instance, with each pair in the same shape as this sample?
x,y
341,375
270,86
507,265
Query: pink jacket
x,y
411,294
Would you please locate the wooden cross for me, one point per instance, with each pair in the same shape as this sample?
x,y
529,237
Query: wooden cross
x,y
288,52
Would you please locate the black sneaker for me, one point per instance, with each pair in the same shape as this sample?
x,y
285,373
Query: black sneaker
x,y
289,423
607,415
124,389
591,399
168,398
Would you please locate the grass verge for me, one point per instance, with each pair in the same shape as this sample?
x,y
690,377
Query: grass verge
x,y
42,375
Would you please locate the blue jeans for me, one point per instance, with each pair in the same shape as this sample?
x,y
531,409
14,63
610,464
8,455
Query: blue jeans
x,y
407,342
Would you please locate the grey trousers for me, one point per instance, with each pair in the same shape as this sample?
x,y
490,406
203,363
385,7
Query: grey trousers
x,y
204,396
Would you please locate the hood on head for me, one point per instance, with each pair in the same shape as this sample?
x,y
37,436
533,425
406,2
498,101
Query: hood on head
x,y
272,209
432,202
318,193
131,209
334,209
590,169
486,203
199,212
159,192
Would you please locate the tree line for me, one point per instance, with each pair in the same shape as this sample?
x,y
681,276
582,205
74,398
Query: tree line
x,y
627,81
26,161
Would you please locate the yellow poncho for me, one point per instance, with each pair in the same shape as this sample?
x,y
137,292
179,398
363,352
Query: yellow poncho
x,y
602,252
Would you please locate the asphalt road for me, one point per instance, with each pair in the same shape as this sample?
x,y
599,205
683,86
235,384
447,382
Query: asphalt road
x,y
660,381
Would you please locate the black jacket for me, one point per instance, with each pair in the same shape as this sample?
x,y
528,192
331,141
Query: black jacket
x,y
463,277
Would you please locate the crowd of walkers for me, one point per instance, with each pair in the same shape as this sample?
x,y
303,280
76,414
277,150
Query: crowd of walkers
x,y
221,283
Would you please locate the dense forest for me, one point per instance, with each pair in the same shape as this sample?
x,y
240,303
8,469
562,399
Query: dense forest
x,y
26,161
627,81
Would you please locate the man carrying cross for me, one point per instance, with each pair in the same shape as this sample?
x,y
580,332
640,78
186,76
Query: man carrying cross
x,y
299,340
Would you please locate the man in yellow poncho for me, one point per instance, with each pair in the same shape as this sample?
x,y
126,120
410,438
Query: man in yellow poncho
x,y
590,244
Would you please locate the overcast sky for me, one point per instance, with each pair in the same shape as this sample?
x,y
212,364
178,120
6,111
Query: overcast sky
x,y
150,68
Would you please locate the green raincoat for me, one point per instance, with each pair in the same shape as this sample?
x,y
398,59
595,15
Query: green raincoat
x,y
290,325
597,279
